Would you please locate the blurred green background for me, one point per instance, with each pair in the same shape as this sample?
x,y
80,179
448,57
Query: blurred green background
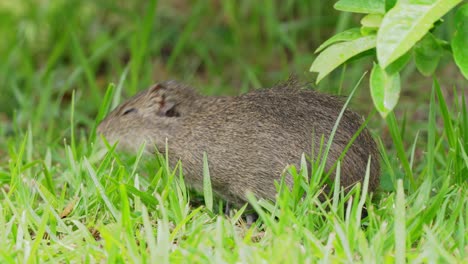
x,y
50,48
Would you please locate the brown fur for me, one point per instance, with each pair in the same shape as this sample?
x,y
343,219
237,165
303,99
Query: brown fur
x,y
249,139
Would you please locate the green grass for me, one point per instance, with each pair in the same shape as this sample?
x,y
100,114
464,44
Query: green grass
x,y
63,198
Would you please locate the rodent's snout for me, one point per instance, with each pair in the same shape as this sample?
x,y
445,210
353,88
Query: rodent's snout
x,y
103,130
100,128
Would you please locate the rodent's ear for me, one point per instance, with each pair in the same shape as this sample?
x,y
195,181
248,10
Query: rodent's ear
x,y
166,105
168,109
156,88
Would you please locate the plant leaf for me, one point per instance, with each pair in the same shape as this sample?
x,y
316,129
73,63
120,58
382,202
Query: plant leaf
x,y
372,20
407,23
335,55
460,40
399,64
427,54
361,6
389,4
366,31
347,35
385,89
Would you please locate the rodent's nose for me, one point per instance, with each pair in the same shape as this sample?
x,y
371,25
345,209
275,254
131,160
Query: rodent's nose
x,y
100,128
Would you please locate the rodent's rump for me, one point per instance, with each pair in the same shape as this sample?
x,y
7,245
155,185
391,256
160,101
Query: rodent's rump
x,y
249,139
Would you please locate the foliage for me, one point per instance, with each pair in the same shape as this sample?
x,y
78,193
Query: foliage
x,y
395,29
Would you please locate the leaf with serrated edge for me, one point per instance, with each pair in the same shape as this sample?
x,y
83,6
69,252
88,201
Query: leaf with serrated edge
x,y
405,24
335,55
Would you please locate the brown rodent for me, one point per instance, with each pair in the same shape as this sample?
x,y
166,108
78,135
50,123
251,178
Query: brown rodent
x,y
249,139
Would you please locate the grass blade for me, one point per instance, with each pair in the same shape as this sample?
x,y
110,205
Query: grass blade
x,y
101,191
400,225
207,190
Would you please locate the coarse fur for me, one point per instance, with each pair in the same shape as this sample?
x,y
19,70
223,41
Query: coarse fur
x,y
249,139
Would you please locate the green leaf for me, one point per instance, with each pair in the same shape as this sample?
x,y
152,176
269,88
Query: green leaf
x,y
335,55
347,35
397,65
460,40
372,20
366,31
385,89
361,6
389,4
427,54
407,23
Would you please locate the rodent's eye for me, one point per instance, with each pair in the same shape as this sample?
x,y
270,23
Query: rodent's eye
x,y
172,113
128,111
